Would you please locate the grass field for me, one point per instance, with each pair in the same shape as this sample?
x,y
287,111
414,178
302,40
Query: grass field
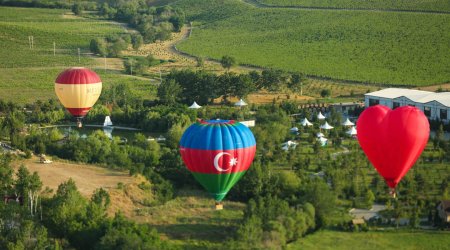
x,y
28,74
398,240
429,5
374,47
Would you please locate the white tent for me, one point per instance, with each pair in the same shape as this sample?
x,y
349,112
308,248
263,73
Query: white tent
x,y
195,106
320,135
240,103
107,121
294,129
305,122
352,131
289,144
348,123
323,141
326,126
320,116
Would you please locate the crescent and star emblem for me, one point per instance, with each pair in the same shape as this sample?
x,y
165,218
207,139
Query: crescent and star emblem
x,y
231,163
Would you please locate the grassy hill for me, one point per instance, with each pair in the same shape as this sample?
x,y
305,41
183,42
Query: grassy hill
x,y
367,46
416,5
28,74
374,240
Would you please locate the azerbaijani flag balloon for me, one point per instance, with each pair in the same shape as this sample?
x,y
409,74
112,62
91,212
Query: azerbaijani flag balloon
x,y
218,153
78,89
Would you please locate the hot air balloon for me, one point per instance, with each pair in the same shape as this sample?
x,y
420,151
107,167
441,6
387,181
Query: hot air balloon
x,y
217,153
392,139
78,89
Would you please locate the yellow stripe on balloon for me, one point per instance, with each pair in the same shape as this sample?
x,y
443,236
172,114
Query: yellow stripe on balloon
x,y
78,95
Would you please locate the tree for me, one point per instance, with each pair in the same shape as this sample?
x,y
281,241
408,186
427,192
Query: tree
x,y
169,92
325,93
6,174
13,123
271,79
227,62
137,41
177,22
77,9
66,208
322,198
116,48
243,86
135,66
296,83
200,61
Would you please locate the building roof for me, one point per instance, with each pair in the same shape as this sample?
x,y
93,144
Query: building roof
x,y
418,96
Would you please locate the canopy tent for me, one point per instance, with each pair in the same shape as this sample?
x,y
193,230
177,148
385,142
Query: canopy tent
x,y
305,122
352,131
107,121
294,129
240,103
320,116
319,135
326,126
322,141
289,144
348,123
195,106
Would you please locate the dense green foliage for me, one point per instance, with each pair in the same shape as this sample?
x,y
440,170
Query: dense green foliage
x,y
367,46
154,23
419,5
65,218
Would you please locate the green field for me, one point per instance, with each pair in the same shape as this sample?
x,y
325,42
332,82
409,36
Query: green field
x,y
367,46
29,74
417,5
374,240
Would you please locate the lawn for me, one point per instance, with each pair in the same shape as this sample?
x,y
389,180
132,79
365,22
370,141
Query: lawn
x,y
419,5
374,47
401,239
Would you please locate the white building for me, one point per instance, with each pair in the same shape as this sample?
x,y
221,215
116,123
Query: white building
x,y
436,106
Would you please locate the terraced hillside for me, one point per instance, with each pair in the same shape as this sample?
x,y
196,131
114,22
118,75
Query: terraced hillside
x,y
396,48
27,73
406,5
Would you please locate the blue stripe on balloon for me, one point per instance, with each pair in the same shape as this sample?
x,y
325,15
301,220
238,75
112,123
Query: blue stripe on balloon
x,y
217,136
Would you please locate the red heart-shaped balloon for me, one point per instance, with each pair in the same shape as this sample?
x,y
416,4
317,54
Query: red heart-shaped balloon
x,y
392,139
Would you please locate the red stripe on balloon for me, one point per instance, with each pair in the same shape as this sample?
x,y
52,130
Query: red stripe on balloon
x,y
80,112
78,76
218,161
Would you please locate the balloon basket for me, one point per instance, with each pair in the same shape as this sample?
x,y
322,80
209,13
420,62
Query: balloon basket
x,y
392,193
79,124
219,206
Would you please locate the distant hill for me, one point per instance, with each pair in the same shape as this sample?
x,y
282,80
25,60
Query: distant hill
x,y
28,64
402,48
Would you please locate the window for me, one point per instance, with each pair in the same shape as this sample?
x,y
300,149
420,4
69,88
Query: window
x,y
395,105
443,114
373,102
427,111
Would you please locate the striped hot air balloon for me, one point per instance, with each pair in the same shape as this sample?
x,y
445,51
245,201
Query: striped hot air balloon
x,y
78,89
218,153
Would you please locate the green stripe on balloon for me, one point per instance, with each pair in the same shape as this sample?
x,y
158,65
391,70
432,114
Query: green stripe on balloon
x,y
218,185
